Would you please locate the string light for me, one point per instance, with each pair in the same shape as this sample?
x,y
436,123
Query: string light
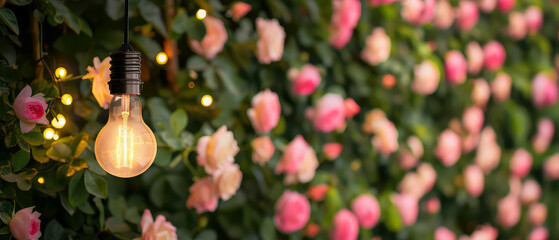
x,y
48,134
206,100
191,84
59,121
55,137
201,14
60,72
41,180
66,99
161,58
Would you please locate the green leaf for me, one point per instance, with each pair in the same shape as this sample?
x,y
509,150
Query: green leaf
x,y
147,45
95,184
79,143
159,114
163,157
5,230
196,63
77,193
9,18
5,218
63,12
157,192
20,2
152,14
180,23
117,226
99,205
178,120
117,207
59,152
115,9
54,230
20,160
86,208
65,204
206,234
39,154
268,229
34,138
195,29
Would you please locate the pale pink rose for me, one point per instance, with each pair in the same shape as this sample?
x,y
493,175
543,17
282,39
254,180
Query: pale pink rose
x,y
500,87
418,12
367,210
412,185
239,10
444,14
160,229
472,119
227,181
494,55
305,80
373,120
346,14
30,110
426,78
328,114
263,149
517,26
377,47
317,192
484,232
551,167
531,192
515,186
213,41
505,5
544,90
101,75
487,5
433,205
270,41
298,162
217,150
448,148
455,67
508,212
332,150
488,152
537,214
544,136
409,157
26,225
428,176
534,19
469,142
265,112
386,138
376,3
481,92
407,208
443,233
351,108
293,211
474,54
539,233
202,195
520,163
474,180
345,226
467,15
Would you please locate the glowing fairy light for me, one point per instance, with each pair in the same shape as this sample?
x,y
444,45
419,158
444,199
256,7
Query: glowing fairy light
x,y
191,84
48,134
55,137
60,72
201,14
41,180
207,100
161,58
66,99
59,121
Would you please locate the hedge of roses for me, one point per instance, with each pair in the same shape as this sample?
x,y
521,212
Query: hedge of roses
x,y
340,119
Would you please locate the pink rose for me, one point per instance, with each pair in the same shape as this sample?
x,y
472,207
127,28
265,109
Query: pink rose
x,y
304,81
30,110
410,157
386,138
377,47
25,224
373,121
428,176
328,114
494,55
418,12
367,210
293,211
443,233
265,112
448,149
345,226
160,229
227,181
539,233
202,195
420,183
531,192
544,90
407,208
537,213
101,75
467,15
521,163
474,180
487,5
217,150
508,212
298,161
344,20
488,152
312,230
551,167
544,136
444,14
263,149
213,41
517,26
472,119
426,78
332,150
317,192
484,232
505,5
433,205
500,87
474,54
534,19
455,67
270,41
481,92
351,108
239,10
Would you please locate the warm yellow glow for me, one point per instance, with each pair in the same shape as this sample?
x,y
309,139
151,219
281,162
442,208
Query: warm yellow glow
x,y
206,100
125,147
48,133
191,84
201,14
161,58
59,121
41,180
66,99
60,72
55,137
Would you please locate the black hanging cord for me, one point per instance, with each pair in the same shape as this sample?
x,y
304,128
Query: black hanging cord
x,y
126,45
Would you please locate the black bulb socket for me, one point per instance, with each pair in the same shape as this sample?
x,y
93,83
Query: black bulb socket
x,y
125,73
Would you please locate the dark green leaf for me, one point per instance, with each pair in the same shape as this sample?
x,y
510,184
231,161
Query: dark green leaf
x,y
178,120
34,138
77,193
195,29
20,2
9,18
147,45
95,184
99,205
63,12
20,160
54,230
152,14
163,157
268,229
39,154
206,234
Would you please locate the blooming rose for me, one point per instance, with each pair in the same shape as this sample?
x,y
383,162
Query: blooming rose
x,y
521,163
487,5
304,81
217,150
551,167
481,92
351,108
444,14
534,19
539,233
328,114
544,136
263,149
346,226
227,180
426,78
407,207
367,210
474,54
443,233
473,119
213,41
544,90
270,41
372,120
500,87
265,112
409,158
386,138
420,183
101,75
418,11
508,212
494,55
293,211
298,161
488,152
505,5
377,47
517,25
160,229
474,180
537,213
484,232
455,67
344,20
317,192
30,110
26,225
467,15
433,205
202,195
239,10
531,192
448,149
332,150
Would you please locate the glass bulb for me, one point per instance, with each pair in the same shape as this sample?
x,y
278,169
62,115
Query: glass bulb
x,y
125,147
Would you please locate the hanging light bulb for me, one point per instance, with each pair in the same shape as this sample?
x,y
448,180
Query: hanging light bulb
x,y
66,99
